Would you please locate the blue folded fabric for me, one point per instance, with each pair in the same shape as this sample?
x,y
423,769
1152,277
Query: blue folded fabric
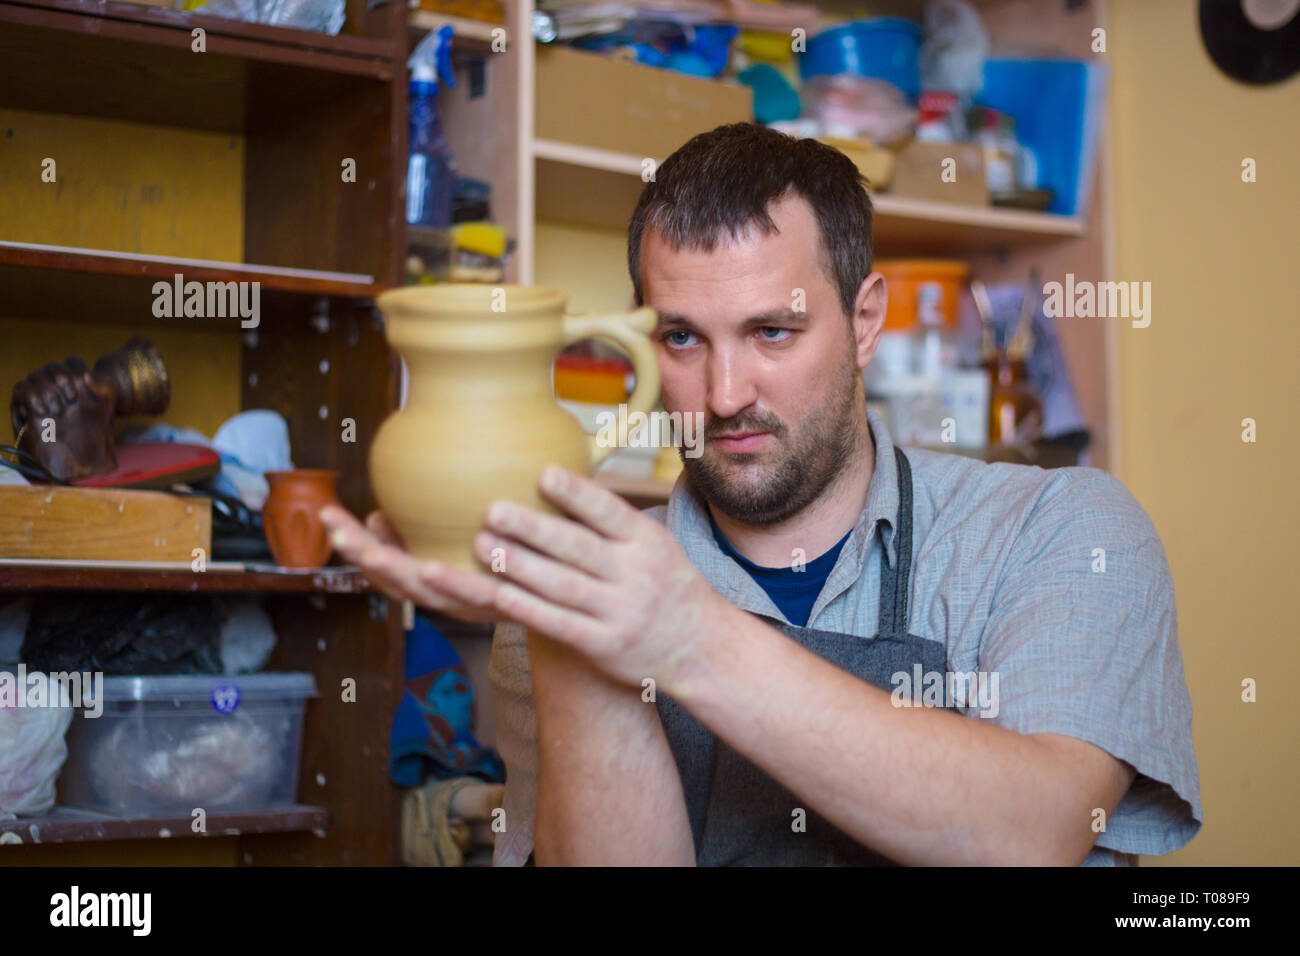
x,y
433,729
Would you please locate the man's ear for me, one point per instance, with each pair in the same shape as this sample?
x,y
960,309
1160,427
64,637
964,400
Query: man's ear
x,y
869,317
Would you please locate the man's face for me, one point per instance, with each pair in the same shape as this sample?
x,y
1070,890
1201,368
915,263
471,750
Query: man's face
x,y
753,335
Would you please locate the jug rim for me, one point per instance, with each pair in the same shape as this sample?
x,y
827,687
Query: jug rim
x,y
454,298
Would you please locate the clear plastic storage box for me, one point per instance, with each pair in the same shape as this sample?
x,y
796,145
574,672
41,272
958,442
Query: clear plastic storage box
x,y
173,744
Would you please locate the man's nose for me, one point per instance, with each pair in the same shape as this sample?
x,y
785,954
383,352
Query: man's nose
x,y
731,384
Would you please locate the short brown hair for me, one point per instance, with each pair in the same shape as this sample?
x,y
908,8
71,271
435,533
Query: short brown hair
x,y
726,178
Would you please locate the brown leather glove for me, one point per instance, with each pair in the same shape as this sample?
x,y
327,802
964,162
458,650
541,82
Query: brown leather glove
x,y
62,416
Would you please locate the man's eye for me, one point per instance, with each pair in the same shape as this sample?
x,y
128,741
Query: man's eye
x,y
771,333
678,338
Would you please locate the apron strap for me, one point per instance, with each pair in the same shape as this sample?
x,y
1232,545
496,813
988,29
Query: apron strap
x,y
894,582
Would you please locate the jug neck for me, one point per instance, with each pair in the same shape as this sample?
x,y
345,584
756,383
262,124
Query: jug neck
x,y
480,377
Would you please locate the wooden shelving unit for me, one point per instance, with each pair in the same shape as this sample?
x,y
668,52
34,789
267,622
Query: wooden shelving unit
x,y
291,106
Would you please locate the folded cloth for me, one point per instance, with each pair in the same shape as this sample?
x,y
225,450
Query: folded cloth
x,y
427,833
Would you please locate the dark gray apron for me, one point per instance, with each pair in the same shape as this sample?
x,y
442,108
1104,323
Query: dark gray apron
x,y
739,815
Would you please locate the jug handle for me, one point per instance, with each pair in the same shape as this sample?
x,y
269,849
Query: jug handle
x,y
630,330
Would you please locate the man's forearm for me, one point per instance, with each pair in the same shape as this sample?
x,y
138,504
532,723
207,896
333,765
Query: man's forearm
x,y
918,784
608,788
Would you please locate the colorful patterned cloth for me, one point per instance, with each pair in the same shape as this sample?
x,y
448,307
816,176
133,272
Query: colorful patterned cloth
x,y
433,731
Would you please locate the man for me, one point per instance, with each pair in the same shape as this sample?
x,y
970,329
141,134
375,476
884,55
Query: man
x,y
734,678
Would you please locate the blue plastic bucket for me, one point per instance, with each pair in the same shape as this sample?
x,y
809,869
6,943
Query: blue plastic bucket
x,y
884,48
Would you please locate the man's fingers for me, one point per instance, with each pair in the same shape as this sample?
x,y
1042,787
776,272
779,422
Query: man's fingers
x,y
407,578
384,564
379,525
551,535
574,628
344,529
472,589
554,581
398,574
596,507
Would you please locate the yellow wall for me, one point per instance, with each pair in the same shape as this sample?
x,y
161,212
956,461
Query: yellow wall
x,y
203,366
124,187
1221,257
589,265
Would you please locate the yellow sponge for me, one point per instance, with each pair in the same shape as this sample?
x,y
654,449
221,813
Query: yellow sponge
x,y
482,237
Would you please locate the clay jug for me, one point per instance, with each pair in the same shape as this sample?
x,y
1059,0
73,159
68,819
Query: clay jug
x,y
290,516
480,420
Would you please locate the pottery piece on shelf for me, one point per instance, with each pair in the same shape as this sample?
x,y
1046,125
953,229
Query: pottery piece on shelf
x,y
480,420
290,516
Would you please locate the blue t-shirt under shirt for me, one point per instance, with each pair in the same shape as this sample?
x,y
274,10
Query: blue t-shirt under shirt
x,y
794,592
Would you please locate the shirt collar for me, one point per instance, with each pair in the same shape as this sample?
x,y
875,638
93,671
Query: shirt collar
x,y
687,519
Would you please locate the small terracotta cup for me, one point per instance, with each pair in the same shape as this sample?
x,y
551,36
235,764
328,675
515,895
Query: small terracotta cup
x,y
291,519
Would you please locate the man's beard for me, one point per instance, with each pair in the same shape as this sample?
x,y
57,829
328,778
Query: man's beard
x,y
807,462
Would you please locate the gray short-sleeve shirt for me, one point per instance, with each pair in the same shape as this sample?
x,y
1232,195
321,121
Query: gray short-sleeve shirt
x,y
1054,581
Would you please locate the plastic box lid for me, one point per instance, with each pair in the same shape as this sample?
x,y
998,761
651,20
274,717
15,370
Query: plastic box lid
x,y
293,685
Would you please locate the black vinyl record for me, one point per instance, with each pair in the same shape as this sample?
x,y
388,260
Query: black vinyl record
x,y
1254,41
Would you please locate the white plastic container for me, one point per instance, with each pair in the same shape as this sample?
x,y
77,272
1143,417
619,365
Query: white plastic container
x,y
965,394
173,744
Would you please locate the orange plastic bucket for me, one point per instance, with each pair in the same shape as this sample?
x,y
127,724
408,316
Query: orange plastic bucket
x,y
904,276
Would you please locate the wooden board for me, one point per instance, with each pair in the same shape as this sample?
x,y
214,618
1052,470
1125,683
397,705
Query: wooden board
x,y
64,825
920,173
589,100
91,523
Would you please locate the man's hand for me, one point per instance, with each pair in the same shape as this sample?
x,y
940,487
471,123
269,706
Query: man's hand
x,y
612,584
377,549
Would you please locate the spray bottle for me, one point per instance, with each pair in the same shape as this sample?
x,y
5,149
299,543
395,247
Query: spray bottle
x,y
431,170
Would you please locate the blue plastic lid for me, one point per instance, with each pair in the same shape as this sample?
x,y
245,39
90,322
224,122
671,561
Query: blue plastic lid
x,y
885,48
875,25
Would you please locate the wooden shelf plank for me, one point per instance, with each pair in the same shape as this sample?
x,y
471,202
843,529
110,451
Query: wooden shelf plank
x,y
66,825
59,576
927,225
599,188
589,157
108,262
253,41
467,35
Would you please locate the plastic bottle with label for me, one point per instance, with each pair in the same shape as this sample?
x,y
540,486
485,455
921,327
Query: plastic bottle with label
x,y
934,347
